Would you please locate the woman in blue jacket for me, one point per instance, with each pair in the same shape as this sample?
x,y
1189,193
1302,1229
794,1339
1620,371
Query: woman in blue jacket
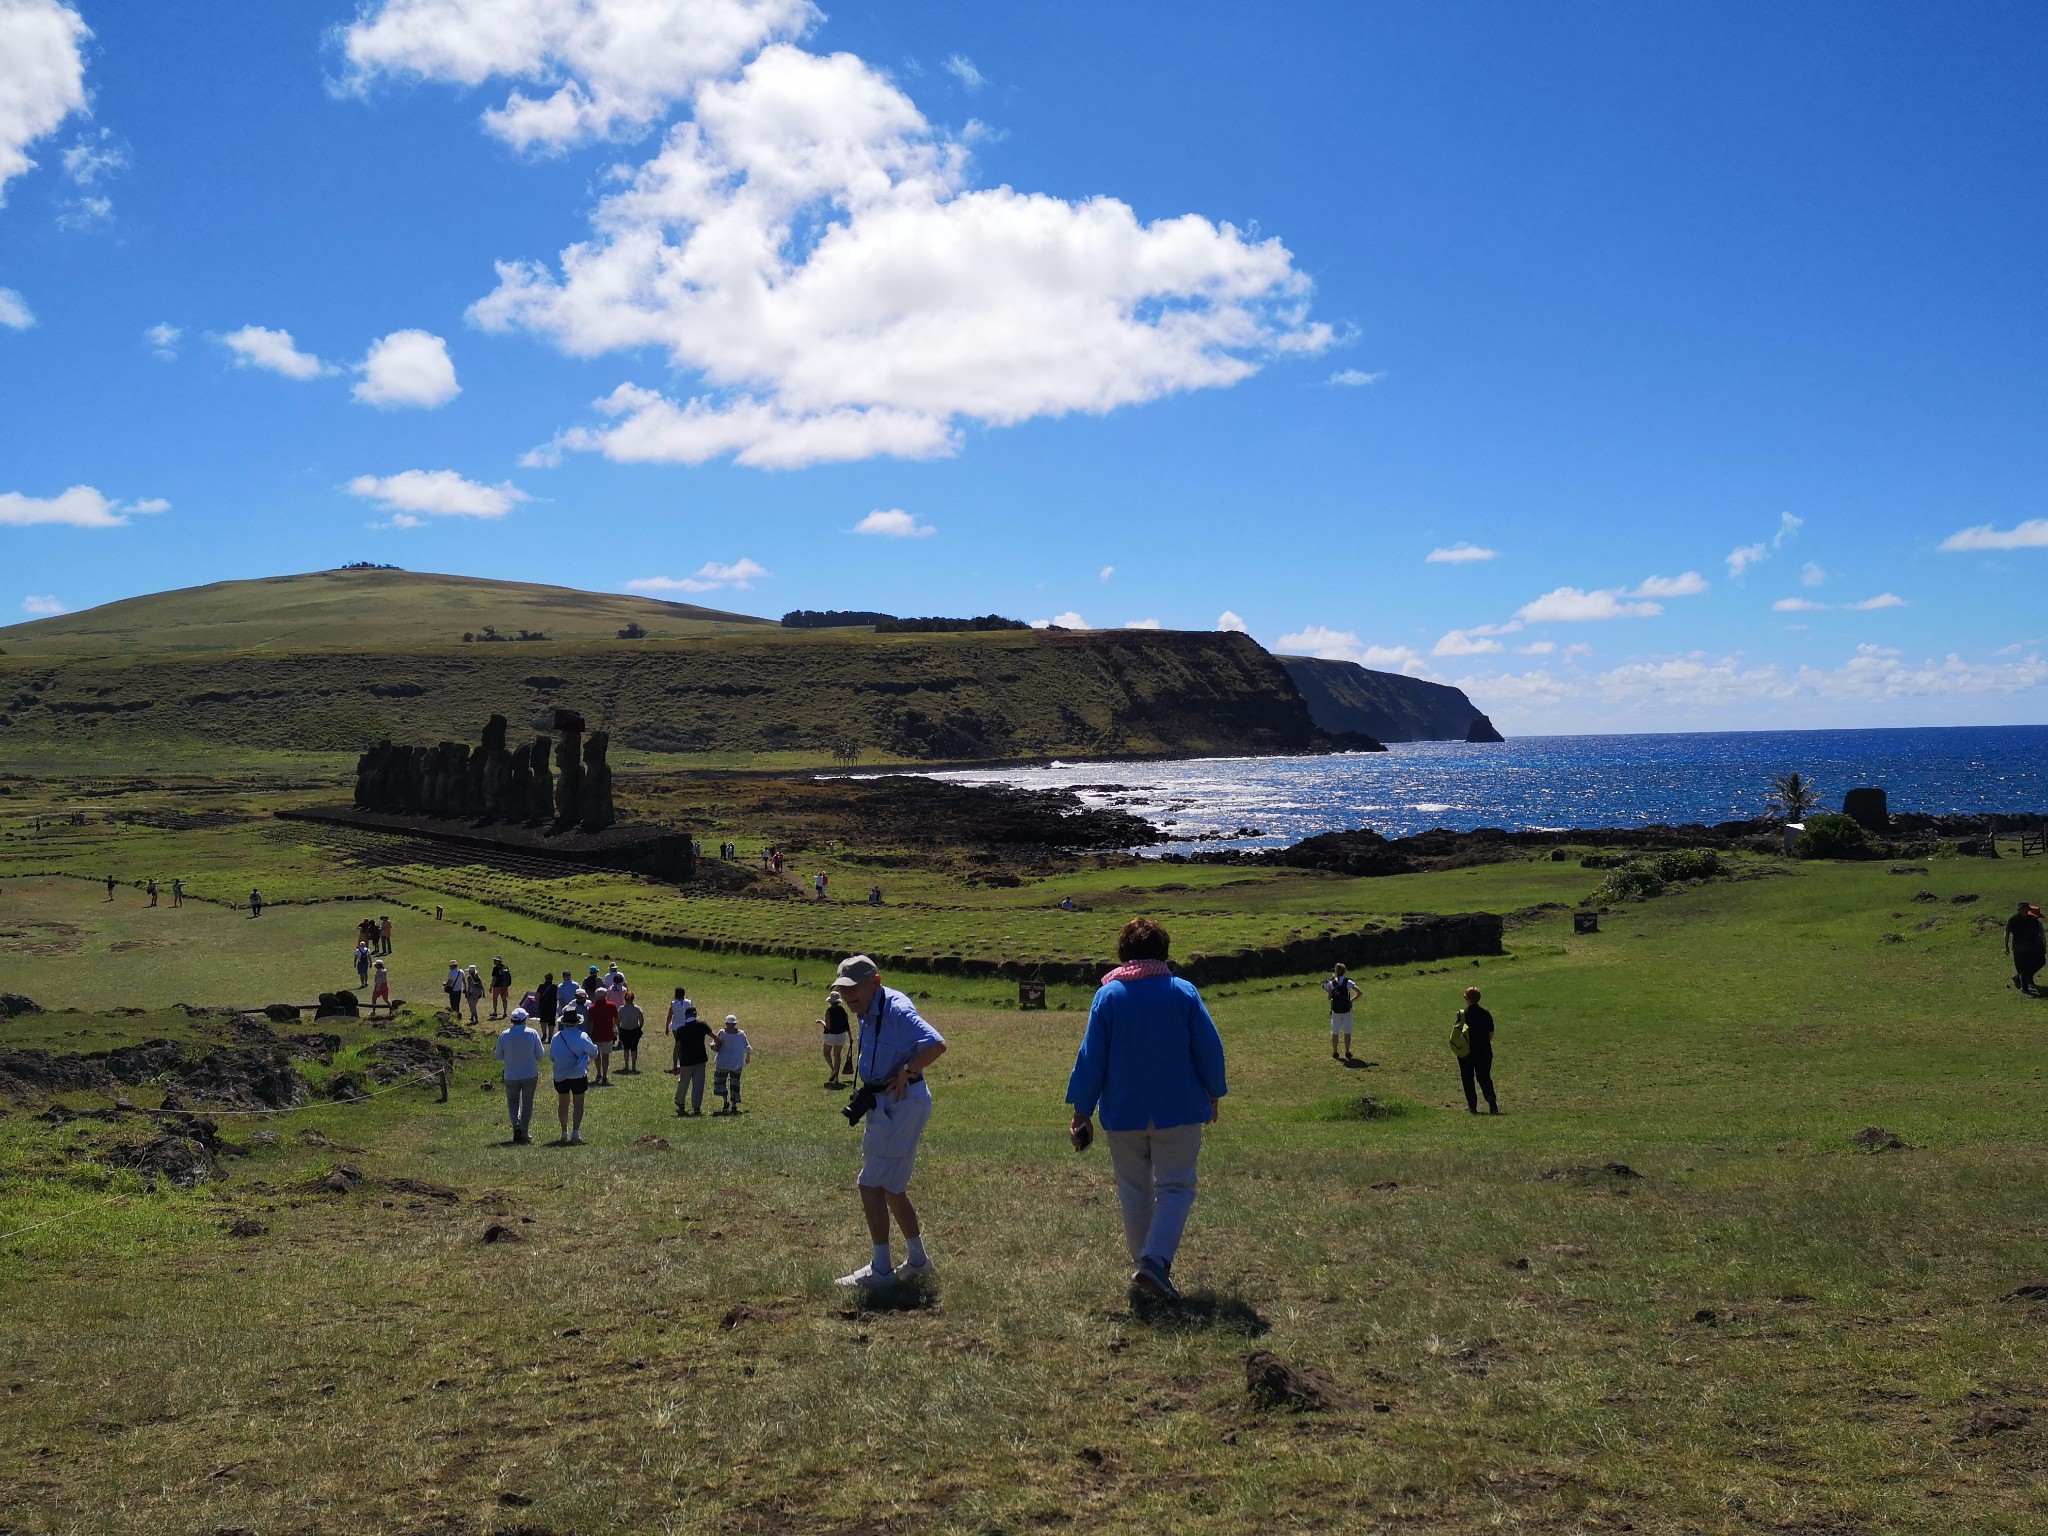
x,y
1152,1062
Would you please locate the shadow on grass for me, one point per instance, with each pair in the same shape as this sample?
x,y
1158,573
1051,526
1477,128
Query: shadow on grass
x,y
1358,1064
1200,1312
916,1295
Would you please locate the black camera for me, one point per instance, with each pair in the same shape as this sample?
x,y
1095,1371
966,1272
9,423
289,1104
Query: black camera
x,y
858,1106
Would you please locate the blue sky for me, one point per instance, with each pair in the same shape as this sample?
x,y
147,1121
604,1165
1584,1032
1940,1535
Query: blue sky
x,y
1714,336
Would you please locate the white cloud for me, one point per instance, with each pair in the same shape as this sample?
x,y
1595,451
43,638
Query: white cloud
x,y
407,368
1811,575
894,523
1871,604
961,68
80,507
1356,378
1568,605
1460,642
1067,620
94,156
1344,645
808,246
163,340
1458,554
1536,648
42,607
1230,623
1107,572
42,77
1691,584
1144,624
1740,560
612,64
437,493
1798,605
710,577
256,346
2031,534
14,311
85,212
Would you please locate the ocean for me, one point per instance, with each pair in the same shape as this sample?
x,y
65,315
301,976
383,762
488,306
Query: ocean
x,y
1541,782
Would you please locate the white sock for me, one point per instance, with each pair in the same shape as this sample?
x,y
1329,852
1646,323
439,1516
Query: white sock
x,y
882,1266
915,1256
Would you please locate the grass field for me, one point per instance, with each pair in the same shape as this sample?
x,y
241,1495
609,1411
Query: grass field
x,y
1769,1330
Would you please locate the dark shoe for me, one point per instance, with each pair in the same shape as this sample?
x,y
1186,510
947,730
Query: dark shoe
x,y
1493,1109
1150,1279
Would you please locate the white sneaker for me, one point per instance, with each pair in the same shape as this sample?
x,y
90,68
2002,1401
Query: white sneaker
x,y
867,1277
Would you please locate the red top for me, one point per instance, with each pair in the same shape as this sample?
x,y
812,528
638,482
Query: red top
x,y
604,1020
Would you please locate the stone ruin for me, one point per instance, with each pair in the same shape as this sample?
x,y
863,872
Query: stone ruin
x,y
567,784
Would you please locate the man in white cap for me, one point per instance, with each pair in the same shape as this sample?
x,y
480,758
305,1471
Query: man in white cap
x,y
520,1053
896,1045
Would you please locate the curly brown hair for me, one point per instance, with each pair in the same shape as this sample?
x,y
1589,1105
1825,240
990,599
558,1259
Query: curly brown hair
x,y
1142,939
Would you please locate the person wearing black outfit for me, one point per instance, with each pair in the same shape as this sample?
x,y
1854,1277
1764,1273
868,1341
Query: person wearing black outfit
x,y
1475,1067
545,1002
2027,943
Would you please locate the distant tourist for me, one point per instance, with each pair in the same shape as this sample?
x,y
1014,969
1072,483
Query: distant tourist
x,y
2028,946
693,1053
1152,1063
472,991
1342,990
895,1047
613,976
566,995
177,893
110,887
501,987
362,964
255,903
570,1053
602,1025
1472,1040
546,1001
451,987
837,1028
384,935
678,1011
519,1053
1067,904
874,895
631,1024
152,890
734,1052
381,991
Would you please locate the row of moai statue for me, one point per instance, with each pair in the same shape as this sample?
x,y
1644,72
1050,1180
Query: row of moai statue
x,y
564,782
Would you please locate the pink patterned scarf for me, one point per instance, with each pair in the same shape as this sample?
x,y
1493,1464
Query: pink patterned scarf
x,y
1138,970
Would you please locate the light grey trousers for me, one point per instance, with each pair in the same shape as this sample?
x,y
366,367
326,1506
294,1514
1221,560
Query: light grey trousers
x,y
1155,1182
519,1101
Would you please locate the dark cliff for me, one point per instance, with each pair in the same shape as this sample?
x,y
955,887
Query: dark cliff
x,y
1343,696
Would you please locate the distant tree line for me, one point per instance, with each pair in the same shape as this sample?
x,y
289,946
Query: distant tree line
x,y
833,618
490,632
889,624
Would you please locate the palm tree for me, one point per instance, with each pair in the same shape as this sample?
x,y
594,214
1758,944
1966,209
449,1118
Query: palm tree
x,y
1793,794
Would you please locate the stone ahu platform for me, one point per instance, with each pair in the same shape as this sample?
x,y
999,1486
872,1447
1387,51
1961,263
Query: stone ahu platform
x,y
655,851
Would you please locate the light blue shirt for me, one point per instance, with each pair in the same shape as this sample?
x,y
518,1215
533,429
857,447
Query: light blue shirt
x,y
520,1050
1151,1058
891,1032
572,1052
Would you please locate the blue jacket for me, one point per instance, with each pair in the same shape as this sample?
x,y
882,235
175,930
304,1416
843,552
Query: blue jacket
x,y
1151,1057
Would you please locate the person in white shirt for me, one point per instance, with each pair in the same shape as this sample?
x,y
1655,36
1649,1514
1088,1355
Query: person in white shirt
x,y
519,1055
733,1055
679,1013
1342,990
571,1052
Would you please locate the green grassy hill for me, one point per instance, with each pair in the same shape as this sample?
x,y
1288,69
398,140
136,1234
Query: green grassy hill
x,y
333,661
353,610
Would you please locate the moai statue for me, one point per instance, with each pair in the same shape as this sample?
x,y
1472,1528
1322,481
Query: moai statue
x,y
412,794
596,799
493,798
540,803
372,769
569,761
